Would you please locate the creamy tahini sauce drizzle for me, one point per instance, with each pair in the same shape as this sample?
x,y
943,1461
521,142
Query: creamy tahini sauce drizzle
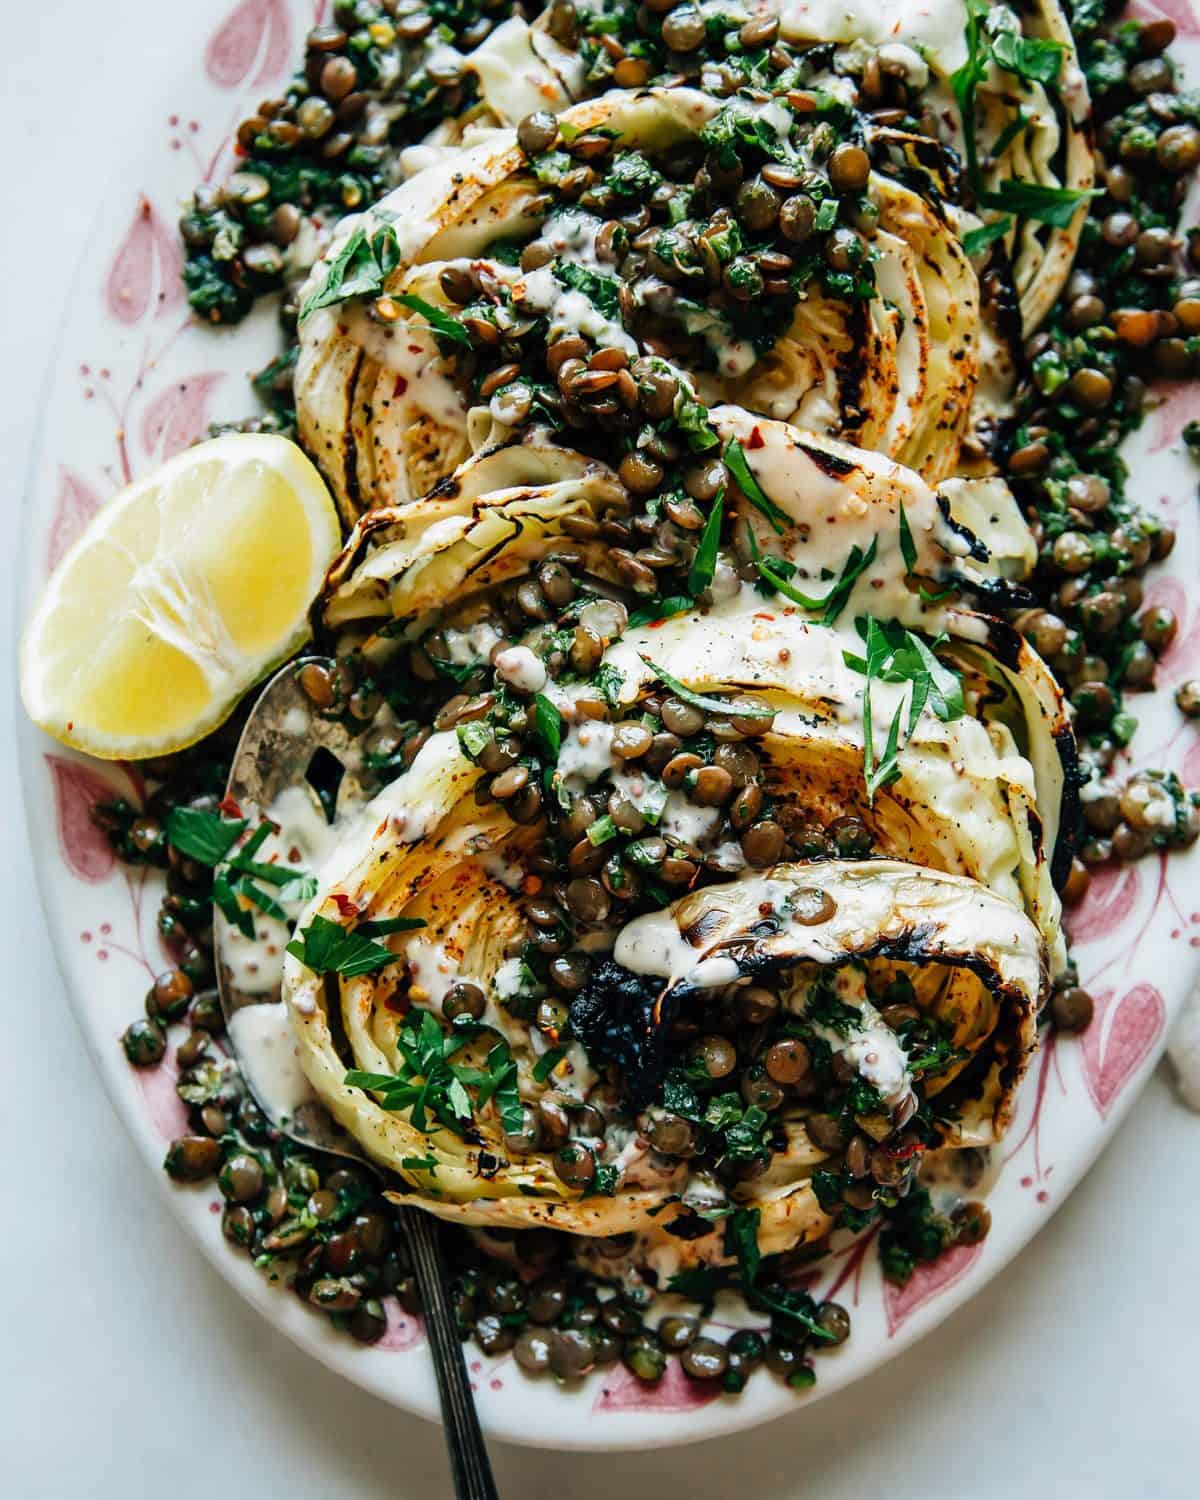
x,y
302,843
268,1056
872,1047
408,350
261,1034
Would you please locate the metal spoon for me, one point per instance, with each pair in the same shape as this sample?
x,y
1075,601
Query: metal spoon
x,y
287,743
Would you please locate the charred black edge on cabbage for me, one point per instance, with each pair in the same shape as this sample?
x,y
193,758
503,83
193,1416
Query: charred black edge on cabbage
x,y
625,1017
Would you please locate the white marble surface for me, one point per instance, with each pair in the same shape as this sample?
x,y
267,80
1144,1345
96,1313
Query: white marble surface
x,y
128,1369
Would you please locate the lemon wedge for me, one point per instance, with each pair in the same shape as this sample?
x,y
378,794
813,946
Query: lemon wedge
x,y
182,592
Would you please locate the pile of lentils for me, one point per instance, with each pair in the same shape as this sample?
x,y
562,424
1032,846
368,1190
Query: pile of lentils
x,y
322,1224
713,233
377,78
1130,314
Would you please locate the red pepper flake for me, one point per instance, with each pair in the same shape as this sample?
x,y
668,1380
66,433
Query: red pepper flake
x,y
756,439
762,615
400,386
229,807
346,907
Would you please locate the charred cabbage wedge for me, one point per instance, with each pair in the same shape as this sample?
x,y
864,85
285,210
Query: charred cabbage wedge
x,y
386,410
957,907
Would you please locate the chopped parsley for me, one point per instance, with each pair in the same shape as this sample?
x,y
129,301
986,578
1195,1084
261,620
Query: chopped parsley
x,y
908,548
203,836
326,947
601,291
735,462
977,240
896,655
778,572
429,1084
443,323
1034,200
707,705
547,725
704,564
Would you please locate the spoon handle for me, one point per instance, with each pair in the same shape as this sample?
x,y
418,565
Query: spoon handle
x,y
468,1454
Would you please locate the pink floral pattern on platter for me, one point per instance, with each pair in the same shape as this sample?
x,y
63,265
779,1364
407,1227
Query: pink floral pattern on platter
x,y
926,1283
78,787
147,268
164,1108
1113,894
1121,1037
178,416
255,31
403,1330
74,506
621,1390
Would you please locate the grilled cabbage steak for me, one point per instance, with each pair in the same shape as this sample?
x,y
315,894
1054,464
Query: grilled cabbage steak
x,y
982,795
387,409
975,961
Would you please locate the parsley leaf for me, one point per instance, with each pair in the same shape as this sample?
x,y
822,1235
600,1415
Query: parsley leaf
x,y
908,548
965,81
704,564
299,888
1036,59
428,1083
326,947
772,570
976,240
226,900
605,1181
698,700
1033,200
352,272
740,126
443,323
601,291
385,925
680,1097
661,609
203,836
697,1283
735,462
691,417
896,655
793,1313
609,680
741,1239
547,725
547,1063
500,1083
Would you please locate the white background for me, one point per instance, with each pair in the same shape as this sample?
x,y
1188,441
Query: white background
x,y
127,1367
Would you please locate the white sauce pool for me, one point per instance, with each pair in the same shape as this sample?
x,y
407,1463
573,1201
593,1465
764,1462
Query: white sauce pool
x,y
269,1059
